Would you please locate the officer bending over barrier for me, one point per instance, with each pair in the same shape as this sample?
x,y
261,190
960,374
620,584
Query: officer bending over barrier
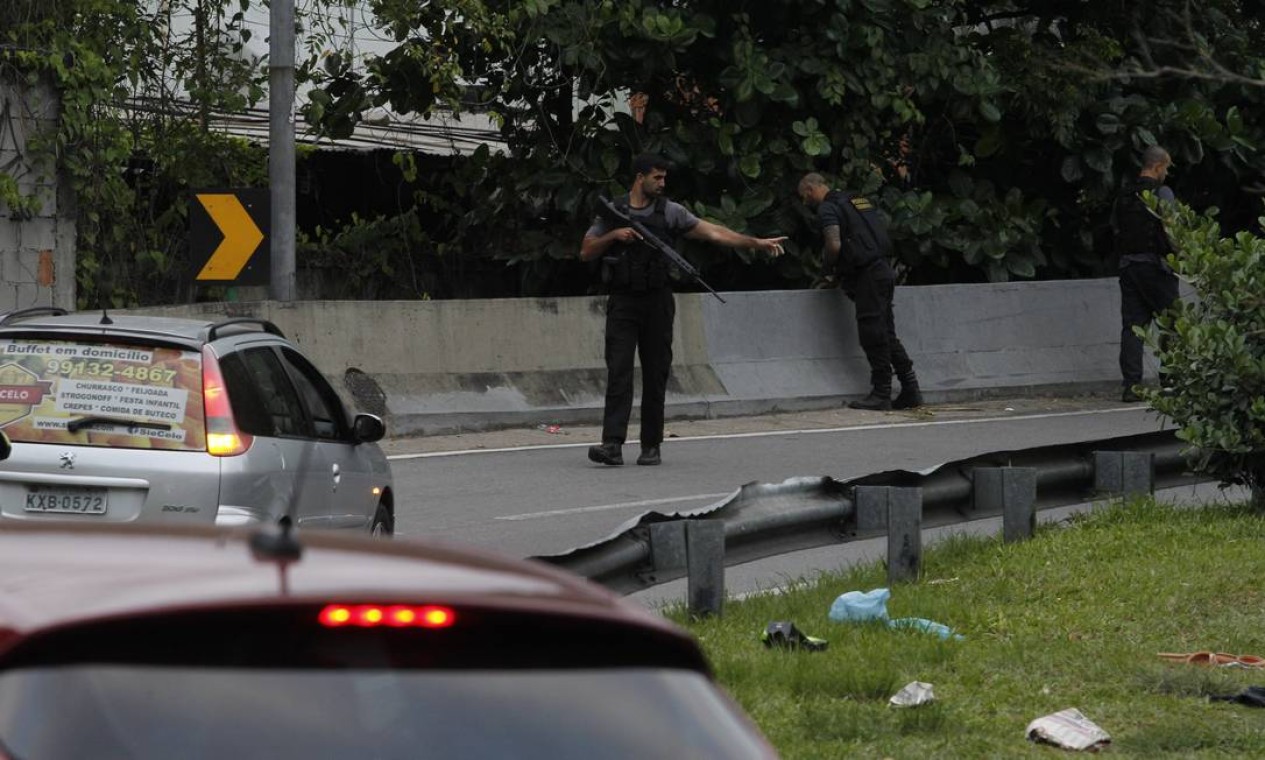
x,y
856,245
640,309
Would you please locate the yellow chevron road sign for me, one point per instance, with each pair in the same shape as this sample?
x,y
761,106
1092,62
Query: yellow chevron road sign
x,y
228,236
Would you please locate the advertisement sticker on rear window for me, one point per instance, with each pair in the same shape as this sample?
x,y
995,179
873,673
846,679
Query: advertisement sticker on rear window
x,y
101,394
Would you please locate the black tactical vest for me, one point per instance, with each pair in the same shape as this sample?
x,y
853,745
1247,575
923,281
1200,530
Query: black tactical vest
x,y
863,232
1138,230
636,267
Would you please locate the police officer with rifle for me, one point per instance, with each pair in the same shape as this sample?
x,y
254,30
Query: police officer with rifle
x,y
635,240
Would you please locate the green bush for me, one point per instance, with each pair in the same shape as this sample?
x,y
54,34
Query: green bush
x,y
1212,350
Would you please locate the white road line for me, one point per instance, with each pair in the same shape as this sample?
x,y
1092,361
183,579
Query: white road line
x,y
608,507
772,433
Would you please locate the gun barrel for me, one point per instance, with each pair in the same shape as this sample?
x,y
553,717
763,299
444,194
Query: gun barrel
x,y
652,240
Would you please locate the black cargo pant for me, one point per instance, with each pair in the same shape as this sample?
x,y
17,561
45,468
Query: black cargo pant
x,y
641,323
871,290
1145,290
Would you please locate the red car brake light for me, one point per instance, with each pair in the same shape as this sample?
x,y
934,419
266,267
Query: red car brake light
x,y
390,616
223,439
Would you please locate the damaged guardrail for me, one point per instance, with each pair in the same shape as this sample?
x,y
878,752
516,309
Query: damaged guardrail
x,y
762,519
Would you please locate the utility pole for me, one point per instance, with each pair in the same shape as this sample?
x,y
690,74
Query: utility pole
x,y
281,147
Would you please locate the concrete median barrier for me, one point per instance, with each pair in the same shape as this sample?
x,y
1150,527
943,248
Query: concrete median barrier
x,y
448,366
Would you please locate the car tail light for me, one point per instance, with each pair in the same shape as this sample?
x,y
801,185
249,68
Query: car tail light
x,y
386,616
223,439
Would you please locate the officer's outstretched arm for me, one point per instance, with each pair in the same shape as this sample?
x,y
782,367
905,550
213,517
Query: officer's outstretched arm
x,y
721,235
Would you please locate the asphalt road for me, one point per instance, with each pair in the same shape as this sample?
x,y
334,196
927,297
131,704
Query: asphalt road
x,y
532,493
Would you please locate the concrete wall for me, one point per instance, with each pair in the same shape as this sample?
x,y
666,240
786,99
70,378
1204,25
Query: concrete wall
x,y
441,366
37,250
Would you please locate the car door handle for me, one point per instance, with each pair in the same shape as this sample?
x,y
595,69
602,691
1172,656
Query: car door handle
x,y
338,475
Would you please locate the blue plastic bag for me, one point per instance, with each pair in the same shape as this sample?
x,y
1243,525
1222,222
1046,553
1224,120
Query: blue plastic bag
x,y
926,626
857,606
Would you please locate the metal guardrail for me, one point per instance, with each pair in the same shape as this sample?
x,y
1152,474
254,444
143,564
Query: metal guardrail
x,y
762,519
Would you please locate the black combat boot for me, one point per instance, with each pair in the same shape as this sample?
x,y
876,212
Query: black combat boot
x,y
909,397
607,453
876,402
649,455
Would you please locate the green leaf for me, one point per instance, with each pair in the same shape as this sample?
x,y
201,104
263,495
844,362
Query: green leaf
x,y
1108,123
817,145
989,111
989,143
784,93
1072,171
750,165
1098,159
1021,266
610,162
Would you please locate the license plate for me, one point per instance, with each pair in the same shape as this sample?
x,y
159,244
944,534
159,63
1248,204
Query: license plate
x,y
67,499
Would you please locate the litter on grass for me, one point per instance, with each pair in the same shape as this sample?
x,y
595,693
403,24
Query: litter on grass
x,y
926,626
1216,659
860,606
915,693
1068,729
1252,696
782,634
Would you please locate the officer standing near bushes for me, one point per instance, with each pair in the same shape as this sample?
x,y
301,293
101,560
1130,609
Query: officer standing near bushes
x,y
856,246
1147,283
641,308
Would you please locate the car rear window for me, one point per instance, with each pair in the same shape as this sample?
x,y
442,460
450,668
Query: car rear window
x,y
107,711
84,393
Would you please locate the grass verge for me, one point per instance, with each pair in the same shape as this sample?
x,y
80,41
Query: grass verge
x,y
1072,618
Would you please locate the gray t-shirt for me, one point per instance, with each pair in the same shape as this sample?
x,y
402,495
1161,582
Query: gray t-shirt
x,y
678,218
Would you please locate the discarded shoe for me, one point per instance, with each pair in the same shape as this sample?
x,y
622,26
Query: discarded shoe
x,y
1216,659
649,456
784,635
874,402
1252,696
607,453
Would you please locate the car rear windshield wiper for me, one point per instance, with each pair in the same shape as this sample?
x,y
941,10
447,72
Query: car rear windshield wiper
x,y
77,424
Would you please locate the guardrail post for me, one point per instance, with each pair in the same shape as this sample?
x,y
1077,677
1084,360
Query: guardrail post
x,y
1124,472
667,545
1011,491
871,508
705,565
904,534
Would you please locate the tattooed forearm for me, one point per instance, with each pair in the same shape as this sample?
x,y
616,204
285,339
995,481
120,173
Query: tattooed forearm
x,y
830,251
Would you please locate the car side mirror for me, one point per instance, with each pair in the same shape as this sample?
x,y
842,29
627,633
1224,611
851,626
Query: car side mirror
x,y
6,448
368,428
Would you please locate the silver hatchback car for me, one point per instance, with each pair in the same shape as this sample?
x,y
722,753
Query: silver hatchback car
x,y
137,418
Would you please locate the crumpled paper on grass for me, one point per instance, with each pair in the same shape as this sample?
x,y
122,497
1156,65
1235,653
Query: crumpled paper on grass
x,y
915,693
1068,729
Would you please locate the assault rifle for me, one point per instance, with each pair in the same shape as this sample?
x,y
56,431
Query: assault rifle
x,y
651,240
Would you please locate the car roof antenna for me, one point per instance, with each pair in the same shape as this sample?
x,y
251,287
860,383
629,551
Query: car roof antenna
x,y
105,318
